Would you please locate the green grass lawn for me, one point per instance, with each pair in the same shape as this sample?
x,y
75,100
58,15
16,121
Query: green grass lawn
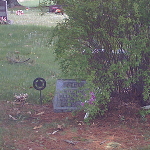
x,y
33,3
27,38
29,3
34,17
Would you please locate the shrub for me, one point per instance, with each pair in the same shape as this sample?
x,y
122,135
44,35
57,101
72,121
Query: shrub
x,y
107,44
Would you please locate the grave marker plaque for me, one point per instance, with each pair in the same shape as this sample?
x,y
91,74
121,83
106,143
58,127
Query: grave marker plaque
x,y
67,95
3,9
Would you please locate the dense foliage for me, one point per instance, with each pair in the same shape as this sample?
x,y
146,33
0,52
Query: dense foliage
x,y
106,42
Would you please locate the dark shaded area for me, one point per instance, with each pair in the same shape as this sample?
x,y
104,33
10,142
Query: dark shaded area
x,y
131,93
12,3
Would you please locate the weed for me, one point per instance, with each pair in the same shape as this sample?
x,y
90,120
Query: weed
x,y
143,112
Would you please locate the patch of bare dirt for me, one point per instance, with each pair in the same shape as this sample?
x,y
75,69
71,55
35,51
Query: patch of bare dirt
x,y
35,127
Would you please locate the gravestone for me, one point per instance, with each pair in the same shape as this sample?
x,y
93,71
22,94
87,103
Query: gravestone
x,y
68,94
3,9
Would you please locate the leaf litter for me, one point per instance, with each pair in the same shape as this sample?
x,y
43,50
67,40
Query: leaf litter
x,y
64,130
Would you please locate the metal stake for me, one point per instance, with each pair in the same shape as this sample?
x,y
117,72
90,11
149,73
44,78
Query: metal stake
x,y
40,98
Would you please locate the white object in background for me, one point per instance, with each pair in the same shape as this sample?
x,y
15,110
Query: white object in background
x,y
86,115
146,107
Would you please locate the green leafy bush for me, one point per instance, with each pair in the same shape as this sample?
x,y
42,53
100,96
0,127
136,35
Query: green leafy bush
x,y
106,43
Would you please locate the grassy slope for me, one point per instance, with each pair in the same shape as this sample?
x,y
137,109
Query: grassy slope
x,y
30,41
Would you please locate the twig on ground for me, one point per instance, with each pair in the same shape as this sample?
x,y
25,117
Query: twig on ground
x,y
70,142
103,142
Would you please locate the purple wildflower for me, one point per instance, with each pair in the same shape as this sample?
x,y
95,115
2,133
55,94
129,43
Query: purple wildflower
x,y
91,100
92,95
82,103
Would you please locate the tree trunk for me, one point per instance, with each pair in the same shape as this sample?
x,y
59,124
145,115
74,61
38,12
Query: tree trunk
x,y
12,3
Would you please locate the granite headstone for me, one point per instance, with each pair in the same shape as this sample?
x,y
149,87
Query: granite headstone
x,y
68,94
3,9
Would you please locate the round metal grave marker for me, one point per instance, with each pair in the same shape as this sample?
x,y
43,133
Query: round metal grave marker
x,y
39,84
